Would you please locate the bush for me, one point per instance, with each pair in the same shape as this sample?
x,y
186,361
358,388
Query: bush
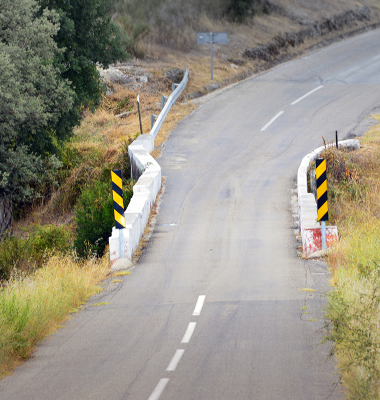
x,y
25,255
95,217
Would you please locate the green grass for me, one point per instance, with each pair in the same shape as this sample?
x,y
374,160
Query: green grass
x,y
35,306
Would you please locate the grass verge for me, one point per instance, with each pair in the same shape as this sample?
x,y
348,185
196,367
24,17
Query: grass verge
x,y
34,306
353,314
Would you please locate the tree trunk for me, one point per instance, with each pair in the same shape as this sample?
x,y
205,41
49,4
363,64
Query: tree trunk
x,y
6,218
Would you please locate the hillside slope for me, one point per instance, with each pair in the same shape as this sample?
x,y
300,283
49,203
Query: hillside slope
x,y
163,33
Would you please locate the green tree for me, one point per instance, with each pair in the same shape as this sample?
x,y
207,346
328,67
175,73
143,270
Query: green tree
x,y
34,100
87,37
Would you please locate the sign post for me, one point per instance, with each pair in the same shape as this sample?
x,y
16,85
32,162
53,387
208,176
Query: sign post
x,y
322,203
118,206
138,106
217,38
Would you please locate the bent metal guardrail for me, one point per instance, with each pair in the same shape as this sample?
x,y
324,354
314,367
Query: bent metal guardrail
x,y
148,172
168,105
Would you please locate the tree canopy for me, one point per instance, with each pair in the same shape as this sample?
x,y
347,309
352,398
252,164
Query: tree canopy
x,y
87,37
33,96
49,50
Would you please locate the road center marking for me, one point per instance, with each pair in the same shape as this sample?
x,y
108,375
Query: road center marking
x,y
199,305
189,332
159,389
307,94
175,360
272,120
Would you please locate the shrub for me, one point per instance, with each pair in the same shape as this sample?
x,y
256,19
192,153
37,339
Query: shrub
x,y
95,217
49,238
25,255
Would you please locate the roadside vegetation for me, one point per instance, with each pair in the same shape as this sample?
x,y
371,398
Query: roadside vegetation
x,y
35,305
49,51
354,305
60,135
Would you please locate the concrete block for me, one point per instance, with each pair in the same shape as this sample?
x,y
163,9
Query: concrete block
x,y
148,172
121,263
312,240
149,182
114,243
145,142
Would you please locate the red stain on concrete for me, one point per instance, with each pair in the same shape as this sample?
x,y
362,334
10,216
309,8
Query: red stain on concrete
x,y
313,239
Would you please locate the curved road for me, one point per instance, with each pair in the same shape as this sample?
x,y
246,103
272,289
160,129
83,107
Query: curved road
x,y
214,310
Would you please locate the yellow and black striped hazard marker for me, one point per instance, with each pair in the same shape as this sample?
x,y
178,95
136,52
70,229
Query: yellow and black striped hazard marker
x,y
322,204
118,203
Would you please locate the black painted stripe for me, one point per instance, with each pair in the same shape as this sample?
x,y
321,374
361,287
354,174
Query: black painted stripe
x,y
117,189
322,200
321,179
325,217
117,208
117,172
118,226
318,161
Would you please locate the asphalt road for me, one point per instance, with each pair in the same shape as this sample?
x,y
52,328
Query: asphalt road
x,y
214,310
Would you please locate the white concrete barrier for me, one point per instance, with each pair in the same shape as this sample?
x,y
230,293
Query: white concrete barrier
x,y
307,206
124,242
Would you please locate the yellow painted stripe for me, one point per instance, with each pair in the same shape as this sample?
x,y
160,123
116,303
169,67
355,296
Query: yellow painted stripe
x,y
117,180
118,199
322,211
321,169
119,218
321,189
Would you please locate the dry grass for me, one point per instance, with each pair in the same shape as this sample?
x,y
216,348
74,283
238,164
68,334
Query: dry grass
x,y
354,305
35,306
355,204
104,131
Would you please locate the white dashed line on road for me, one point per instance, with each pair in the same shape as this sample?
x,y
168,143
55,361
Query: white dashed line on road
x,y
272,120
199,305
189,332
159,389
307,94
179,353
175,360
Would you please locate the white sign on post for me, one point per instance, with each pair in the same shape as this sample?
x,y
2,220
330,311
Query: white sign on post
x,y
212,38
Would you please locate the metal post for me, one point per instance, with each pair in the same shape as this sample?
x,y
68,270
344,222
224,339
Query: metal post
x,y
121,243
323,230
313,182
336,138
212,61
118,205
138,106
118,201
322,201
163,101
152,120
